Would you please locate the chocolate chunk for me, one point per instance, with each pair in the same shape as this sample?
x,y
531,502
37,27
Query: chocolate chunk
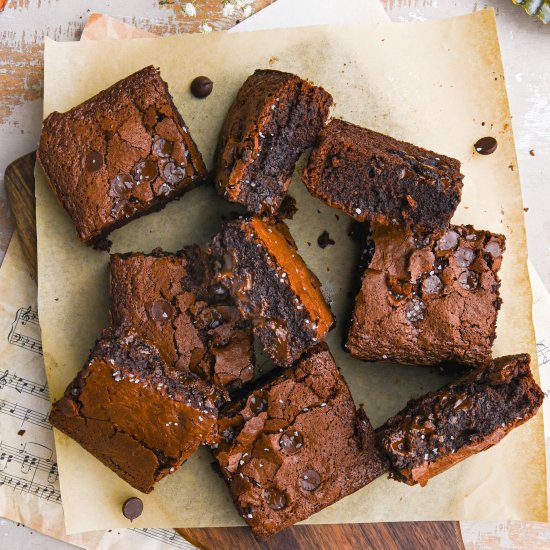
x,y
464,256
324,240
448,241
432,285
468,280
291,442
173,173
201,87
258,403
276,499
494,249
161,310
162,147
486,146
121,186
414,310
145,170
93,162
310,480
132,508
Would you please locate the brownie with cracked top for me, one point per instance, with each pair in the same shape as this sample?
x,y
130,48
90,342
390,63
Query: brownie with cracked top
x,y
374,177
296,445
134,414
274,118
119,155
426,301
170,300
258,263
438,430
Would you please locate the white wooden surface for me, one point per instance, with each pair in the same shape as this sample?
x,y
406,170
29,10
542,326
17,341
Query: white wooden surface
x,y
525,46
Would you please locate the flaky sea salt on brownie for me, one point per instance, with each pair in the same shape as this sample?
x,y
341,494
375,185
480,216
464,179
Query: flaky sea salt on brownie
x,y
272,286
275,117
119,155
170,300
438,430
374,177
128,410
296,445
428,301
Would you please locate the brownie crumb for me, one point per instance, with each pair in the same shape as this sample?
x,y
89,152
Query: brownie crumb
x,y
288,208
324,240
21,432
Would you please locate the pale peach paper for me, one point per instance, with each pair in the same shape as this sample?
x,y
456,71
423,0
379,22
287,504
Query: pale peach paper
x,y
430,83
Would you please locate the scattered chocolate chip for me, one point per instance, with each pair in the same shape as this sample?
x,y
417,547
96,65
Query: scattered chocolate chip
x,y
258,403
432,285
161,310
173,173
145,170
464,256
324,240
21,432
162,147
291,442
532,152
448,241
93,162
121,186
493,248
201,87
275,499
414,310
468,280
132,508
310,480
486,146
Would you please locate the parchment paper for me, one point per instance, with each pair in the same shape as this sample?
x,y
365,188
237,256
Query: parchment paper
x,y
430,83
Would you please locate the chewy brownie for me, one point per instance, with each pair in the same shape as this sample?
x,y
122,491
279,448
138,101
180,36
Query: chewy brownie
x,y
128,410
441,428
296,445
428,301
169,300
123,153
374,177
275,117
272,286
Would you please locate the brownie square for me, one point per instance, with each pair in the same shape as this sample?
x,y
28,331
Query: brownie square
x,y
119,155
274,118
374,177
438,430
133,414
296,445
259,264
169,299
429,301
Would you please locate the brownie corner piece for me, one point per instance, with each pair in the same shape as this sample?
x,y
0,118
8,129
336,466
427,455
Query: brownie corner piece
x,y
427,301
374,177
276,116
119,155
440,429
258,263
144,443
296,445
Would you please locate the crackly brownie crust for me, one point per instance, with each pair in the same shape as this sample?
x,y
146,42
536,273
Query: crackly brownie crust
x,y
133,414
275,117
429,301
296,445
441,428
374,177
272,286
121,154
170,300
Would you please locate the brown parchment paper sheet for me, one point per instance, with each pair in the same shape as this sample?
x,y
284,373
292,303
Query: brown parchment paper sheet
x,y
431,83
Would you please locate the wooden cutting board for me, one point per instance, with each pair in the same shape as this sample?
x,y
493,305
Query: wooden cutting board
x,y
19,182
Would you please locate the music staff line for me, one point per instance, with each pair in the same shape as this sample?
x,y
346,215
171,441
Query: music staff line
x,y
168,536
543,353
27,460
46,492
24,414
25,330
24,385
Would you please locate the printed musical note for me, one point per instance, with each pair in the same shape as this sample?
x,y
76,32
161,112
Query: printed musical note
x,y
20,484
543,352
24,385
167,536
24,414
25,330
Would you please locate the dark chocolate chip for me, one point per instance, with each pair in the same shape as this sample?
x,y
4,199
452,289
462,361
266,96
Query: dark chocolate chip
x,y
121,186
432,285
468,280
258,403
162,147
493,248
310,480
93,161
324,240
132,508
173,173
275,499
414,310
145,170
201,87
291,442
486,145
161,310
464,256
448,241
